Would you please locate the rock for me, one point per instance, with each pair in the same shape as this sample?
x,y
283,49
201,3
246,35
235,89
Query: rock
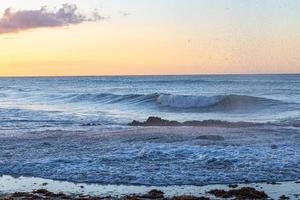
x,y
220,193
41,191
274,146
243,193
154,121
188,197
157,121
272,183
154,194
283,197
47,193
233,185
131,197
22,195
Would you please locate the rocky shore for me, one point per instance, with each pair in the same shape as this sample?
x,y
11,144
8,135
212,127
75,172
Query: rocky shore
x,y
30,188
239,194
157,121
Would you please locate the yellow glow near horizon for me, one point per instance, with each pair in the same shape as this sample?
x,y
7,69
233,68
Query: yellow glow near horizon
x,y
110,49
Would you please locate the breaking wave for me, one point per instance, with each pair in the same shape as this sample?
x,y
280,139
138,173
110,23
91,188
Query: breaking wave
x,y
177,101
190,101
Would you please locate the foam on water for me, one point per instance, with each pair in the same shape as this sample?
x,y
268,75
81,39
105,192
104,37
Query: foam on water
x,y
75,128
190,101
156,156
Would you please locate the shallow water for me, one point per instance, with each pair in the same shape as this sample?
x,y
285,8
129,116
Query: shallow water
x,y
156,156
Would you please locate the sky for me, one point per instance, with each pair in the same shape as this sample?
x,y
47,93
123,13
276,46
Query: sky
x,y
137,37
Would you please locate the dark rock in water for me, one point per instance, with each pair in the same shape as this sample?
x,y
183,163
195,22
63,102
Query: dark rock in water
x,y
38,194
233,185
46,193
154,194
273,183
90,124
131,197
21,195
243,193
188,197
41,191
274,146
283,197
157,121
154,121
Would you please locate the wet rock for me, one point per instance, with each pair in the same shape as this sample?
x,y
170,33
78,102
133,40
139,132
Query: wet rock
x,y
47,193
87,198
42,194
274,146
22,195
283,197
154,121
243,193
131,197
188,197
273,183
90,124
154,194
42,191
233,185
157,121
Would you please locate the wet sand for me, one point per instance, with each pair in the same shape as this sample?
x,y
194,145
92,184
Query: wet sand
x,y
10,185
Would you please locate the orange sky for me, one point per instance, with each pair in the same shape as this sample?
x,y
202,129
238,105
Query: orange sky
x,y
132,45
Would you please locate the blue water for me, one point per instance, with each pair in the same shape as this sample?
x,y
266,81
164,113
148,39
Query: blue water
x,y
48,127
118,100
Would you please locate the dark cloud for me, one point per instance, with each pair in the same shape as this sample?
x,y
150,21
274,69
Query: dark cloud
x,y
12,22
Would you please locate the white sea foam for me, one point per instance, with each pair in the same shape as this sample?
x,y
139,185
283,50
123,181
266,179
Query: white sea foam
x,y
187,101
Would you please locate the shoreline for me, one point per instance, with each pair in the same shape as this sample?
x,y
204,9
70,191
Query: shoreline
x,y
10,185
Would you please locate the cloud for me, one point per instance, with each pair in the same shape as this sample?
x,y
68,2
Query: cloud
x,y
16,21
125,14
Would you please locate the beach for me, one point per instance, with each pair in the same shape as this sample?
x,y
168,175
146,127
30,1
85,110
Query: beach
x,y
149,100
10,185
128,135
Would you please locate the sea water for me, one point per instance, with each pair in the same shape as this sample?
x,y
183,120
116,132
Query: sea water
x,y
75,128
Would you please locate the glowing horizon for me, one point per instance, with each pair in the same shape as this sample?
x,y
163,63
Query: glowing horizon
x,y
144,37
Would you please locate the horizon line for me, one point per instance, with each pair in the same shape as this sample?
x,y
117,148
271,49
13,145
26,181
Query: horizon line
x,y
136,75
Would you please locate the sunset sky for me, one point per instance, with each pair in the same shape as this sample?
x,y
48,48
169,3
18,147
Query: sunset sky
x,y
120,37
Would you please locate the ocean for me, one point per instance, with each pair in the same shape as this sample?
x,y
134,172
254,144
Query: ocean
x,y
75,129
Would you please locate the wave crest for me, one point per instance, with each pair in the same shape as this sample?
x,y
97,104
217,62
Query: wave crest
x,y
190,101
176,101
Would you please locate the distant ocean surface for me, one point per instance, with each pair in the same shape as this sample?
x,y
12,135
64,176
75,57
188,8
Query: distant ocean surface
x,y
32,108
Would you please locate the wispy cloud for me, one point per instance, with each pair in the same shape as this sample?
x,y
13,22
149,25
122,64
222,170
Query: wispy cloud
x,y
67,14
